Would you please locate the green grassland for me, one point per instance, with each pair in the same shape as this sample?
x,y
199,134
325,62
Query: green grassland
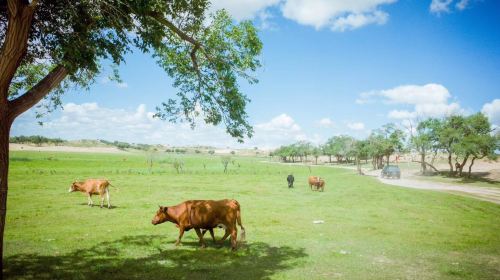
x,y
370,230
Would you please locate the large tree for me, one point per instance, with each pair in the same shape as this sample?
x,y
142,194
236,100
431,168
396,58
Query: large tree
x,y
476,142
425,139
48,46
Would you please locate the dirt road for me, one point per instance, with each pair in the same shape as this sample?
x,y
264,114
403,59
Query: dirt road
x,y
482,193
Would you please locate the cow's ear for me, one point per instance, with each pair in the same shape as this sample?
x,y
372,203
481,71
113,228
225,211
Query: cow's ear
x,y
165,209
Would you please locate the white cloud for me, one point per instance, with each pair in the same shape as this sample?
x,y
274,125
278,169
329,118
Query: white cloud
x,y
461,5
326,122
492,111
430,100
356,125
353,21
444,6
122,85
105,80
401,114
243,9
91,121
440,6
339,15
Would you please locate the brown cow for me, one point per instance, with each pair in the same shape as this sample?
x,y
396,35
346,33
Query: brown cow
x,y
316,181
203,215
321,185
92,186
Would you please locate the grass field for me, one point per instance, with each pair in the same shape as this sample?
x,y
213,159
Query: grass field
x,y
371,231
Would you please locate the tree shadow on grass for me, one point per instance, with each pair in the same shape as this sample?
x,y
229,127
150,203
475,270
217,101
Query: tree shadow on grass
x,y
475,177
98,206
112,260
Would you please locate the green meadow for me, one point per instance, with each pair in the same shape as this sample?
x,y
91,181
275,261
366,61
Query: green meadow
x,y
370,230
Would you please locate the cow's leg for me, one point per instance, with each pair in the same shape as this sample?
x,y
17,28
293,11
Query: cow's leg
x,y
200,236
226,234
107,198
212,234
234,235
89,200
102,199
181,233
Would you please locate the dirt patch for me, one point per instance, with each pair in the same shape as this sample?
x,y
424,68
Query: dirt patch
x,y
25,147
409,181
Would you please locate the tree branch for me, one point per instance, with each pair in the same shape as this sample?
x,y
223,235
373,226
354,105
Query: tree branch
x,y
14,47
160,18
37,92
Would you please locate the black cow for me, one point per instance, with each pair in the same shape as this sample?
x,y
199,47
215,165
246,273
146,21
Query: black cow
x,y
290,180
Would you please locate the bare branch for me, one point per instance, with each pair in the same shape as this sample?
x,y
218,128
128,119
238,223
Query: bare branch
x,y
37,92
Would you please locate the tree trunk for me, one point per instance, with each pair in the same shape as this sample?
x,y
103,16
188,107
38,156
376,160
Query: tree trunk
x,y
428,164
329,158
5,124
462,165
449,162
470,167
423,166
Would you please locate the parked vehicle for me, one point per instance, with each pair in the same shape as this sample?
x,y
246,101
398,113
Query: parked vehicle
x,y
391,171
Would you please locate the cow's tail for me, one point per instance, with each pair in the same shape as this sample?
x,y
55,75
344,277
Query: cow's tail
x,y
118,189
238,219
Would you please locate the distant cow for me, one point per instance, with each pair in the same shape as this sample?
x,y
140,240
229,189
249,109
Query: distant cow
x,y
93,186
321,185
290,180
317,182
203,215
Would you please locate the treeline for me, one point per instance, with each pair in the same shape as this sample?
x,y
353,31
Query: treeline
x,y
124,145
35,139
463,139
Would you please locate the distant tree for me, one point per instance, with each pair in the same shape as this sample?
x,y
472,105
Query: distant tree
x,y
476,142
211,152
386,141
452,130
178,165
425,139
225,161
316,152
233,152
327,149
360,151
151,155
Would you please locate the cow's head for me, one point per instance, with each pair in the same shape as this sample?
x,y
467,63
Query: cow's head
x,y
73,187
161,216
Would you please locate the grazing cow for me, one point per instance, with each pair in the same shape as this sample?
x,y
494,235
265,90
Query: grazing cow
x,y
290,180
317,182
321,185
92,186
203,215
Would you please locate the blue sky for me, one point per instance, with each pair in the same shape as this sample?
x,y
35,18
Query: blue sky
x,y
329,67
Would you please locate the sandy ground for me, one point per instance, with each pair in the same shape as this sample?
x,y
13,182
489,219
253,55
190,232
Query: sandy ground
x,y
409,181
25,147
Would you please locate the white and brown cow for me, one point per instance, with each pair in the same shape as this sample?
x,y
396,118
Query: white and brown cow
x,y
93,186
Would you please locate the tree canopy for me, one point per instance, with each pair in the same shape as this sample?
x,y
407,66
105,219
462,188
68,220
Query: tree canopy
x,y
67,42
